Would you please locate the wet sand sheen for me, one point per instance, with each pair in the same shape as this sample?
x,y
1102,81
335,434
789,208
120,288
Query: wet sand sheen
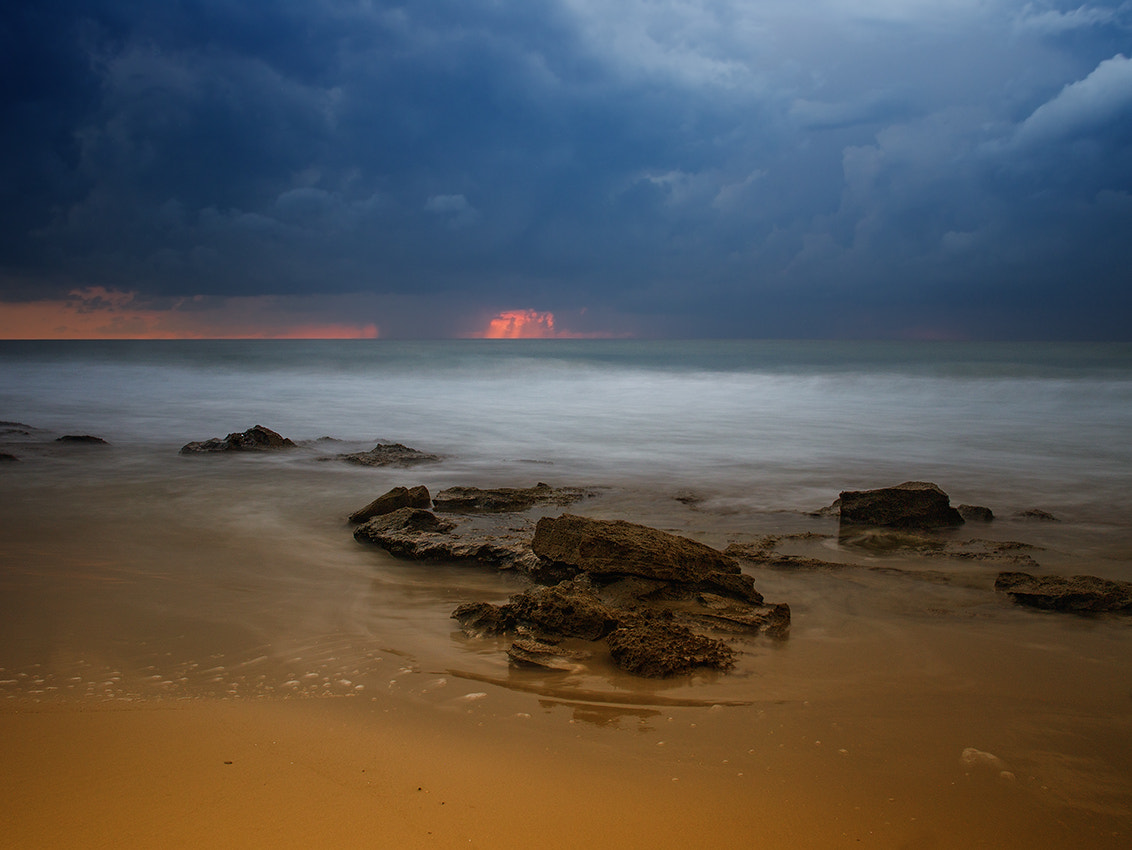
x,y
270,774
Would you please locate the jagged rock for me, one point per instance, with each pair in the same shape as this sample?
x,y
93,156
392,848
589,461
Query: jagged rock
x,y
398,497
255,439
654,645
506,499
390,454
913,504
1076,594
569,609
421,535
81,440
975,513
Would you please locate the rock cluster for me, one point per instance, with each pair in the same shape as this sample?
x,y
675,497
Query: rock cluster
x,y
654,601
255,439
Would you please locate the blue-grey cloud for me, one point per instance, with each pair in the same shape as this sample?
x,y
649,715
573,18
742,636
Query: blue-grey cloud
x,y
847,168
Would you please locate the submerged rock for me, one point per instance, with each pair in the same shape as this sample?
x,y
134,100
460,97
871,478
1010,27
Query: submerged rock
x,y
7,458
1038,514
398,497
255,439
1075,594
506,499
913,504
389,454
975,513
530,652
81,440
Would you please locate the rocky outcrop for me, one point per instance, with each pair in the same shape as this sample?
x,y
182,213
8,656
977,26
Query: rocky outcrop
x,y
421,535
255,439
913,504
387,503
389,454
506,499
615,548
1075,594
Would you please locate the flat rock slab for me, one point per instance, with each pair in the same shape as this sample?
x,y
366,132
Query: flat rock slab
x,y
616,547
507,499
421,535
913,504
1075,594
255,439
389,454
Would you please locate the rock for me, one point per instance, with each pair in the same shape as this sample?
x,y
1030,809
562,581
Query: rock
x,y
972,758
547,656
389,454
506,499
655,646
398,497
421,535
975,513
1075,594
1038,514
7,458
255,439
81,440
913,504
616,547
569,609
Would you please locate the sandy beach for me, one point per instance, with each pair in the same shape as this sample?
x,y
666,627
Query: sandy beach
x,y
269,774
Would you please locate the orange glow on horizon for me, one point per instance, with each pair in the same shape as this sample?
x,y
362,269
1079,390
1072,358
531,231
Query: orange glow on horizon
x,y
532,324
521,324
98,313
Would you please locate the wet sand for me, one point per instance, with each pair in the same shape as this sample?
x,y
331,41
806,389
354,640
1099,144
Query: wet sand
x,y
270,774
199,654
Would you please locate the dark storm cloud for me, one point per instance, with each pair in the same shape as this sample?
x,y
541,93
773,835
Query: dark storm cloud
x,y
865,168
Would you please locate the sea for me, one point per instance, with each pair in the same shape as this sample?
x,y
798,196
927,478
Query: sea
x,y
130,573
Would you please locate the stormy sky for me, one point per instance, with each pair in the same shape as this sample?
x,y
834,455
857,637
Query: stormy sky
x,y
674,168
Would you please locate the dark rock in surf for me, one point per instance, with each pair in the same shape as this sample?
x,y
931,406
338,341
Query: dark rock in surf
x,y
506,499
1075,594
614,548
387,503
255,439
390,454
81,440
7,458
975,513
913,504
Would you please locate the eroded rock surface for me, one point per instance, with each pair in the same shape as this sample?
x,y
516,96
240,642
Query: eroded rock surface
x,y
1076,594
255,439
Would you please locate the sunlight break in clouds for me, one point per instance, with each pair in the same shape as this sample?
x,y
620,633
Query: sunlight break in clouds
x,y
521,324
98,313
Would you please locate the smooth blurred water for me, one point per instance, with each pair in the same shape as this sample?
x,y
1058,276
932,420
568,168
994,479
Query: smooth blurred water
x,y
780,424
